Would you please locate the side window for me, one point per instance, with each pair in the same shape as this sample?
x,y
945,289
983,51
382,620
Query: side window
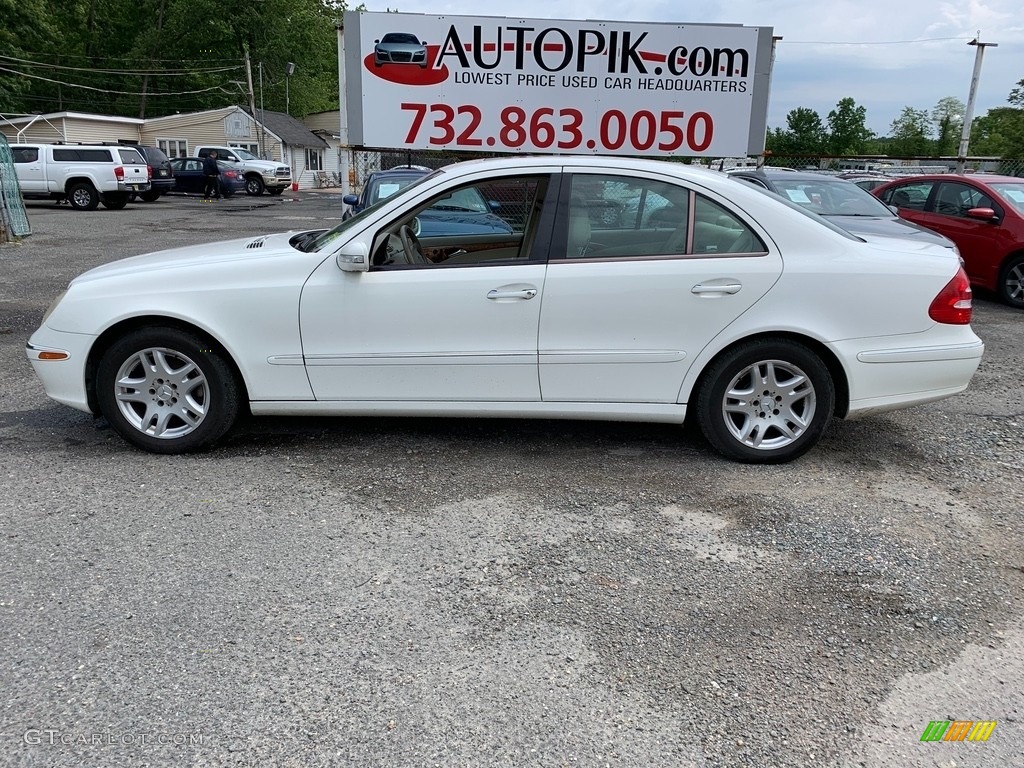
x,y
25,154
912,196
956,199
623,216
97,155
488,222
717,230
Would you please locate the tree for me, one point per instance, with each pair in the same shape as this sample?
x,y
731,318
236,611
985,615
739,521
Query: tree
x,y
909,133
848,133
805,134
948,118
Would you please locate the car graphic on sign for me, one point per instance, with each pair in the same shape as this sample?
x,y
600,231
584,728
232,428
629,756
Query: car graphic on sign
x,y
400,48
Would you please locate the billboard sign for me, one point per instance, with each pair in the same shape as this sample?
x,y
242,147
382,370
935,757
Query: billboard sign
x,y
480,83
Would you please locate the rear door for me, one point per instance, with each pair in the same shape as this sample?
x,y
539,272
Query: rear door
x,y
136,169
28,165
644,272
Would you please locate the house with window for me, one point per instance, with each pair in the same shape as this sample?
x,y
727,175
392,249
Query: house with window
x,y
270,135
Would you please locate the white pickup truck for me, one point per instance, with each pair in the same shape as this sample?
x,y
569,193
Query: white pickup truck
x,y
84,175
259,174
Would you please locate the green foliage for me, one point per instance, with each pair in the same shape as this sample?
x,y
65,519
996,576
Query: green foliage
x,y
805,134
909,134
848,134
948,119
145,58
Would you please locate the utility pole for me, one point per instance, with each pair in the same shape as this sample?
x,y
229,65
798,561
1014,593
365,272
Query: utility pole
x,y
965,138
248,77
263,132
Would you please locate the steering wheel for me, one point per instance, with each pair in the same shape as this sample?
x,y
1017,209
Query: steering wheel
x,y
411,245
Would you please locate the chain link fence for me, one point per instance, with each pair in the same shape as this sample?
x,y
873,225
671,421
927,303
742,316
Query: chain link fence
x,y
13,216
367,161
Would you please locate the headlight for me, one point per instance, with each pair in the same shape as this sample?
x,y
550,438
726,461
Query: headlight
x,y
53,305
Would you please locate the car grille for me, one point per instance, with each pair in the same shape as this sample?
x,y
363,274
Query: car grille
x,y
284,170
403,56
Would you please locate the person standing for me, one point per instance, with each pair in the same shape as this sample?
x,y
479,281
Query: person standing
x,y
212,173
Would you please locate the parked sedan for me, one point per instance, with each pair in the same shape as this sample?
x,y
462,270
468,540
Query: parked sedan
x,y
461,213
982,214
760,320
189,177
841,201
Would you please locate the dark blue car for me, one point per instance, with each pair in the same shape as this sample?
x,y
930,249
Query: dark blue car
x,y
464,212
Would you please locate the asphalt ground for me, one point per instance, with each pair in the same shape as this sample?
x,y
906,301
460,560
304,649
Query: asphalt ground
x,y
427,592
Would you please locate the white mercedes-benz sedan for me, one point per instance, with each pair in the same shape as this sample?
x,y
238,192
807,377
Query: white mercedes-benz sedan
x,y
625,290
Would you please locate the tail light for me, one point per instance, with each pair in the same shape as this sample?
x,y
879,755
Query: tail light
x,y
119,173
149,171
954,304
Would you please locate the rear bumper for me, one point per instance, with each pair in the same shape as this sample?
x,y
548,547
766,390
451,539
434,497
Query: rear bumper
x,y
901,376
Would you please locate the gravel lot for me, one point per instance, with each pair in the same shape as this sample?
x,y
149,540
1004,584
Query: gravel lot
x,y
418,592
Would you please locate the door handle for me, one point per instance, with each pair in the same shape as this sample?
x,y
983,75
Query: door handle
x,y
526,293
722,288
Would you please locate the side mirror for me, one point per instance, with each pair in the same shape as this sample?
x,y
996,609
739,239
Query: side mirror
x,y
354,256
984,214
493,205
350,199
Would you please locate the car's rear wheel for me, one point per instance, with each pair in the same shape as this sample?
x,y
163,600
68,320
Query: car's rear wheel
x,y
151,196
765,402
254,185
166,390
1011,282
83,197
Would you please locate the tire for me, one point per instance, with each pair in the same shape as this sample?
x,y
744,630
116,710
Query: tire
x,y
115,201
167,391
151,196
254,185
276,190
769,423
1011,282
83,197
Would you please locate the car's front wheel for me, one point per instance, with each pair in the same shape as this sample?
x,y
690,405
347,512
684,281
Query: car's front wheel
x,y
276,190
167,390
1011,282
254,185
765,402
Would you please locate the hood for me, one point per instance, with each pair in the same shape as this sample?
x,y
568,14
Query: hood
x,y
244,249
880,226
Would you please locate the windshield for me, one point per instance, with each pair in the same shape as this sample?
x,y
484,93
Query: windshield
x,y
325,240
831,197
244,153
382,189
1012,193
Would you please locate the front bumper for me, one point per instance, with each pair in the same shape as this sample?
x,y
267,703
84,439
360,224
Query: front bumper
x,y
59,360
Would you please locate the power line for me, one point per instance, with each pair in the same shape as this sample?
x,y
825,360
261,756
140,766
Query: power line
x,y
116,93
161,72
879,42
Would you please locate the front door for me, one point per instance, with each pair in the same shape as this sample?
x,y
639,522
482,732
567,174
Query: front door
x,y
451,318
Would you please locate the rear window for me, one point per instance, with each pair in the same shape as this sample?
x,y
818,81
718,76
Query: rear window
x,y
131,156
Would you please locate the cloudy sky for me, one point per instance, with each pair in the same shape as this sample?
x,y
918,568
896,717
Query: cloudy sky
x,y
885,55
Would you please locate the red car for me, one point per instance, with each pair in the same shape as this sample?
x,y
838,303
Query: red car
x,y
982,214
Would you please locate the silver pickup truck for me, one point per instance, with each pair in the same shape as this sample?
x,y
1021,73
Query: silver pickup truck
x,y
84,175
